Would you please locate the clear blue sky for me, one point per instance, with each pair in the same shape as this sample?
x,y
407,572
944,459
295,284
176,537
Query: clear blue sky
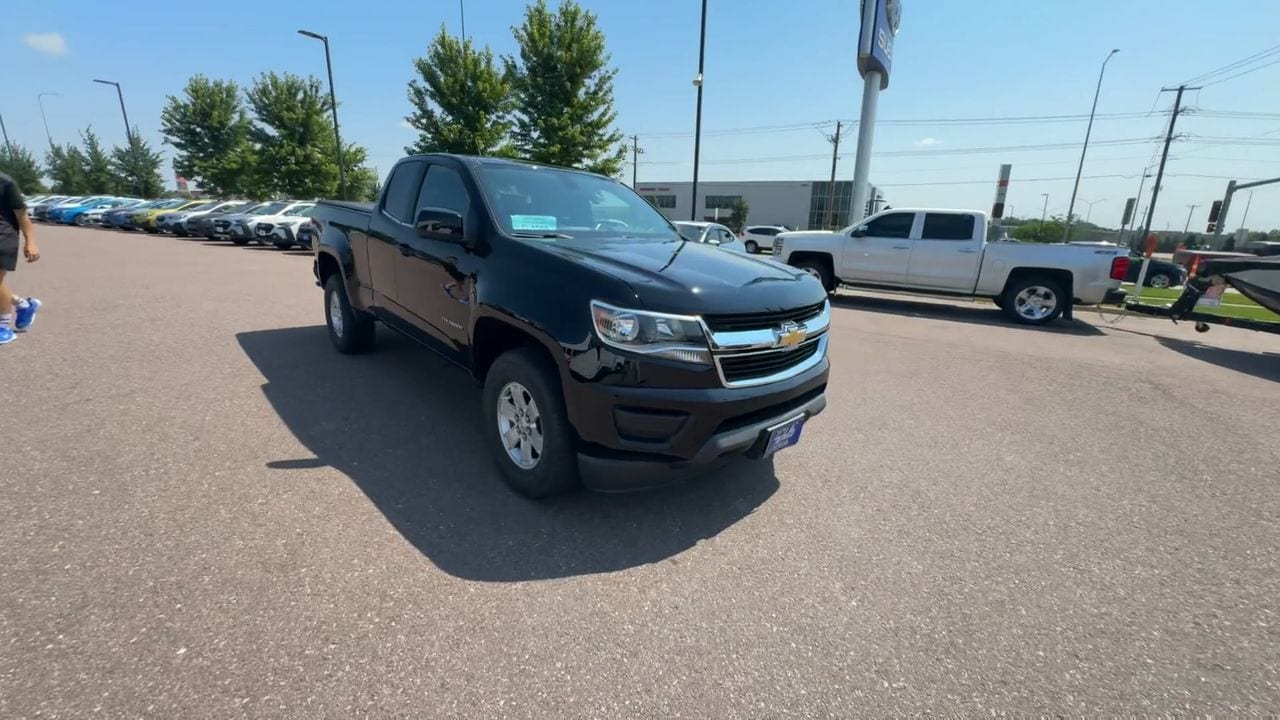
x,y
768,64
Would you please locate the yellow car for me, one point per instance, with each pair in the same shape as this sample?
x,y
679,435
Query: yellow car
x,y
146,219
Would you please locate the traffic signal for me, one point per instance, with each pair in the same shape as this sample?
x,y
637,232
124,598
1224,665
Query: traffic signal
x,y
1214,209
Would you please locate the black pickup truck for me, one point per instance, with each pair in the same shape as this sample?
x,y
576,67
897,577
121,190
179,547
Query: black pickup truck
x,y
611,351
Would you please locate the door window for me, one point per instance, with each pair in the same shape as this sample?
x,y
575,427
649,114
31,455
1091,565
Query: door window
x,y
893,225
401,186
444,188
947,226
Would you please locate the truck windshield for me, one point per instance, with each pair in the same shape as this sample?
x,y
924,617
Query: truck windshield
x,y
549,202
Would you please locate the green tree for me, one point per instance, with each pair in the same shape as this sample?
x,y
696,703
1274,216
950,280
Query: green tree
x,y
563,90
294,135
210,129
137,168
66,166
462,102
738,215
1030,230
100,174
19,164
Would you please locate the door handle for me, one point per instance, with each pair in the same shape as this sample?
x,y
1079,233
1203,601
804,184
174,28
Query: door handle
x,y
405,249
901,247
969,250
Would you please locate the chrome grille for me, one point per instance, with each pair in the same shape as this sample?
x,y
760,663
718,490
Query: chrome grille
x,y
765,366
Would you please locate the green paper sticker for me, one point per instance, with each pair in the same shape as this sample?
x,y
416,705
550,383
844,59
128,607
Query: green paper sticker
x,y
533,222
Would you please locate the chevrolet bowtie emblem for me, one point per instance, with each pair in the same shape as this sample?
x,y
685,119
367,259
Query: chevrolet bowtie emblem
x,y
789,335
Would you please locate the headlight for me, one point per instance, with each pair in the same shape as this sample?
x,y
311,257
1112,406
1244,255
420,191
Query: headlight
x,y
676,337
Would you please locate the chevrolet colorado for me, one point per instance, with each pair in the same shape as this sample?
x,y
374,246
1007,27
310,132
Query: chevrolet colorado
x,y
611,351
947,252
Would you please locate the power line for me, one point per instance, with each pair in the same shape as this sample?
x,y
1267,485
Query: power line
x,y
1232,66
1245,72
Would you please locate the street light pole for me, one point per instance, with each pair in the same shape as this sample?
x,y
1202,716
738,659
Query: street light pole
x,y
1044,213
1089,215
5,132
128,129
697,127
1190,209
462,13
40,99
1066,233
333,105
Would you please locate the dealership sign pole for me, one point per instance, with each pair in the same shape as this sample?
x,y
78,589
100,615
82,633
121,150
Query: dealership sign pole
x,y
880,21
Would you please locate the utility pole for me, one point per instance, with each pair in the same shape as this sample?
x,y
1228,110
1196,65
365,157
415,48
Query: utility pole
x,y
1155,191
831,189
5,132
635,158
697,129
1190,209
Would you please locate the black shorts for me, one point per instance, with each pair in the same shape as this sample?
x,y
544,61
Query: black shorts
x,y
8,252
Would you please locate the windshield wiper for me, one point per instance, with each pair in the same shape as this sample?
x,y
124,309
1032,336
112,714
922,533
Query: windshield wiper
x,y
541,235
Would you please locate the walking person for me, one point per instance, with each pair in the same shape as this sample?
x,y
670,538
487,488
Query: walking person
x,y
16,314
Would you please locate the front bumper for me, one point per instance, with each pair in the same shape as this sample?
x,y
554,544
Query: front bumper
x,y
641,437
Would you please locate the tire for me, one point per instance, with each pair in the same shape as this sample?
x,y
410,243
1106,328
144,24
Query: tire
x,y
351,332
818,269
1160,280
751,246
1034,300
240,241
81,220
282,245
999,301
523,380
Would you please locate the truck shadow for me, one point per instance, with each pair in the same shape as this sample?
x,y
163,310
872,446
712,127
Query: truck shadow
x,y
979,313
405,427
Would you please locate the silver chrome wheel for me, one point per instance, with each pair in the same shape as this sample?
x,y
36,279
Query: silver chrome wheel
x,y
1035,302
520,425
335,313
813,272
1159,280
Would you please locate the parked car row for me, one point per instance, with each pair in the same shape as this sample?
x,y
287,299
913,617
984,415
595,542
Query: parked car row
x,y
279,223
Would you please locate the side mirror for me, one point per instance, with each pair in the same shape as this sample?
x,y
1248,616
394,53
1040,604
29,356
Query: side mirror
x,y
713,241
440,224
860,231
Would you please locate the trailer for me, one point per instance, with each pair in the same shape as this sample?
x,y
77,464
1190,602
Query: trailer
x,y
1257,278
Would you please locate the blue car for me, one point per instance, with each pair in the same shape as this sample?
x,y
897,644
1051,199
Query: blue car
x,y
80,215
54,213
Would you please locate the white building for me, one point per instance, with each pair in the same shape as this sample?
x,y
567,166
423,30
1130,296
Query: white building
x,y
797,204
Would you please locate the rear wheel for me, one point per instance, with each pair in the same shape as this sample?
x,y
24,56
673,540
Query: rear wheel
x,y
1034,301
240,241
527,427
283,244
818,269
352,332
1159,280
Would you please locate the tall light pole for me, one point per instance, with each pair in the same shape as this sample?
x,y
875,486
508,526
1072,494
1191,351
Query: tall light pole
x,y
462,13
1089,215
40,99
333,105
5,132
1044,213
1066,233
1245,216
697,123
128,129
1190,209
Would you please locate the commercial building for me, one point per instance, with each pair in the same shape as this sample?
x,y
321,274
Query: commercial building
x,y
797,204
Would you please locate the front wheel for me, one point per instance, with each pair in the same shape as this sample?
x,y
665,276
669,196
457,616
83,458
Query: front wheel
x,y
1034,301
240,241
351,332
1159,280
752,246
819,270
282,245
527,427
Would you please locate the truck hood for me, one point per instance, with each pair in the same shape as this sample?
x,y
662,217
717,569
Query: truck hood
x,y
688,278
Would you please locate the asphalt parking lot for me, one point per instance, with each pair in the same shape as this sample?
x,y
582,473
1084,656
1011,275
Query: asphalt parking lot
x,y
209,513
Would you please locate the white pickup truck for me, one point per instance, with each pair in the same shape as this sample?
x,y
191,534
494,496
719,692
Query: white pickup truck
x,y
946,252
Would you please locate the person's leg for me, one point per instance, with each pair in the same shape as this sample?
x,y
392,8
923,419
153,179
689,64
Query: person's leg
x,y
6,310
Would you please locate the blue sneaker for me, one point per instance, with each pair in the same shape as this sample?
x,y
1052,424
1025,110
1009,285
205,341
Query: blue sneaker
x,y
26,314
6,336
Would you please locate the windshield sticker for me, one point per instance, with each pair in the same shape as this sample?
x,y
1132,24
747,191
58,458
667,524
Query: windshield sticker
x,y
533,222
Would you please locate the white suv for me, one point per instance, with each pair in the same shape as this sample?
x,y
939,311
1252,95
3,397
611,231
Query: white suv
x,y
755,237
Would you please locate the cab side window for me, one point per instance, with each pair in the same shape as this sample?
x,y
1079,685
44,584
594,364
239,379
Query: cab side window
x,y
893,225
443,188
401,187
947,226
